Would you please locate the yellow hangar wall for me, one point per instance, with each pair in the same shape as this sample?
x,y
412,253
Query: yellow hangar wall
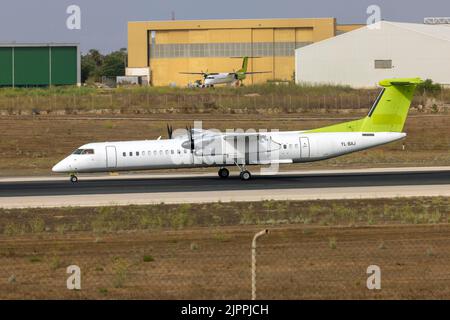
x,y
166,48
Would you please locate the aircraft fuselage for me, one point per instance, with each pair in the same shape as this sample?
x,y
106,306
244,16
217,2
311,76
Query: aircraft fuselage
x,y
280,147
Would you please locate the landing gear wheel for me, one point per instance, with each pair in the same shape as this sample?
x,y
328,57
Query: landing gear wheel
x,y
245,175
224,173
73,179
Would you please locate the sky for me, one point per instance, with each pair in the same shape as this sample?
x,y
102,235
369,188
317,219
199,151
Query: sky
x,y
104,22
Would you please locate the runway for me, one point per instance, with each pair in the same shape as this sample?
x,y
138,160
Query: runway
x,y
143,189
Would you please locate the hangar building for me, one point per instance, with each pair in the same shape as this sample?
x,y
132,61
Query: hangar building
x,y
159,50
362,57
24,65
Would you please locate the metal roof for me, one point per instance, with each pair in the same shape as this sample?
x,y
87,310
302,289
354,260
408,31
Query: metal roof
x,y
440,31
47,44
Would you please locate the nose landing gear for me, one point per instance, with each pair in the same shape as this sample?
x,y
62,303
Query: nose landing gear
x,y
73,178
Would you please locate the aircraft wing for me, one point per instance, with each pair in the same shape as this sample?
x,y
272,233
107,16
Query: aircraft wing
x,y
224,144
234,135
256,72
202,73
193,73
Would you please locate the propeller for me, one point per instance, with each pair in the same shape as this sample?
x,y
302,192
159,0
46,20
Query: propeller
x,y
191,138
190,143
169,131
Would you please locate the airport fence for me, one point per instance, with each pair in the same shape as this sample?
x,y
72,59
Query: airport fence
x,y
149,103
392,262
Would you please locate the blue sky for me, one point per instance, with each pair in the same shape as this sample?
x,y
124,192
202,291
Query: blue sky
x,y
104,22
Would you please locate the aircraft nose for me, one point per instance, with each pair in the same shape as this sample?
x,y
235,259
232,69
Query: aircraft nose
x,y
61,166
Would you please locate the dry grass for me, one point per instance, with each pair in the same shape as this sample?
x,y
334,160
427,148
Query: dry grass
x,y
258,99
295,262
104,220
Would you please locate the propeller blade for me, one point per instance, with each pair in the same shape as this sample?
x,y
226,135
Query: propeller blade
x,y
169,131
191,138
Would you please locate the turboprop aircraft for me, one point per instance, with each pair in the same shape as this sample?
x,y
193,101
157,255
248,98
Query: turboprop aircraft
x,y
207,148
212,78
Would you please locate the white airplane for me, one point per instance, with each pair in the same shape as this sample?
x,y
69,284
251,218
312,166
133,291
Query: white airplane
x,y
205,148
212,78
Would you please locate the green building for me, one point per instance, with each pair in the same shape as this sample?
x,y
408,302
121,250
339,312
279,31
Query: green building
x,y
26,65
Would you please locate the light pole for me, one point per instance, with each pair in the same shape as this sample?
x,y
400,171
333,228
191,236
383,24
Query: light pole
x,y
259,234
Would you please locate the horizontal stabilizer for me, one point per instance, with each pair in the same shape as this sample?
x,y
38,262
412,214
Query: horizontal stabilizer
x,y
400,82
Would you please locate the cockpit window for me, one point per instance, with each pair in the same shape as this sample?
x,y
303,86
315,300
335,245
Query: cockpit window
x,y
84,151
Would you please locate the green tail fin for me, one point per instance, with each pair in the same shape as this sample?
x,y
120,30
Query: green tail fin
x,y
389,111
244,66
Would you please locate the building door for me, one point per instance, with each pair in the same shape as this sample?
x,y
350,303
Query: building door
x,y
304,148
111,157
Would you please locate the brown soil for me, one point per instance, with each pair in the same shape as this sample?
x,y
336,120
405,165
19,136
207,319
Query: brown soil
x,y
296,262
315,249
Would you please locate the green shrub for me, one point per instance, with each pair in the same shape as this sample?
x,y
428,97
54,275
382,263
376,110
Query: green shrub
x,y
429,87
148,258
332,243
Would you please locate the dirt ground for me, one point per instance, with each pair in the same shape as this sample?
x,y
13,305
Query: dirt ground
x,y
294,262
314,249
32,145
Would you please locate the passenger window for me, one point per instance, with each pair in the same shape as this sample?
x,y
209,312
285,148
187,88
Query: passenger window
x,y
131,154
137,153
143,153
171,151
149,153
155,152
290,146
178,151
124,154
167,152
160,152
185,151
285,146
296,146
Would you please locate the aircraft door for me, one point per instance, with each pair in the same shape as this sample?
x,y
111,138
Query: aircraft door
x,y
304,148
111,157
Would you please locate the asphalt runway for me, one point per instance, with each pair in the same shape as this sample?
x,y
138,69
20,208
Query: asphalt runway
x,y
209,183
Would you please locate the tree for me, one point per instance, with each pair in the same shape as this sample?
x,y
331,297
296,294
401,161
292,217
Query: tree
x,y
96,57
94,65
87,68
114,64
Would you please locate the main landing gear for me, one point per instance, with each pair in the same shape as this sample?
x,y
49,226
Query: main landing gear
x,y
73,178
245,175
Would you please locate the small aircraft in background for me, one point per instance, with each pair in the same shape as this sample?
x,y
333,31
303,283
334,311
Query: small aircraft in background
x,y
231,78
207,148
